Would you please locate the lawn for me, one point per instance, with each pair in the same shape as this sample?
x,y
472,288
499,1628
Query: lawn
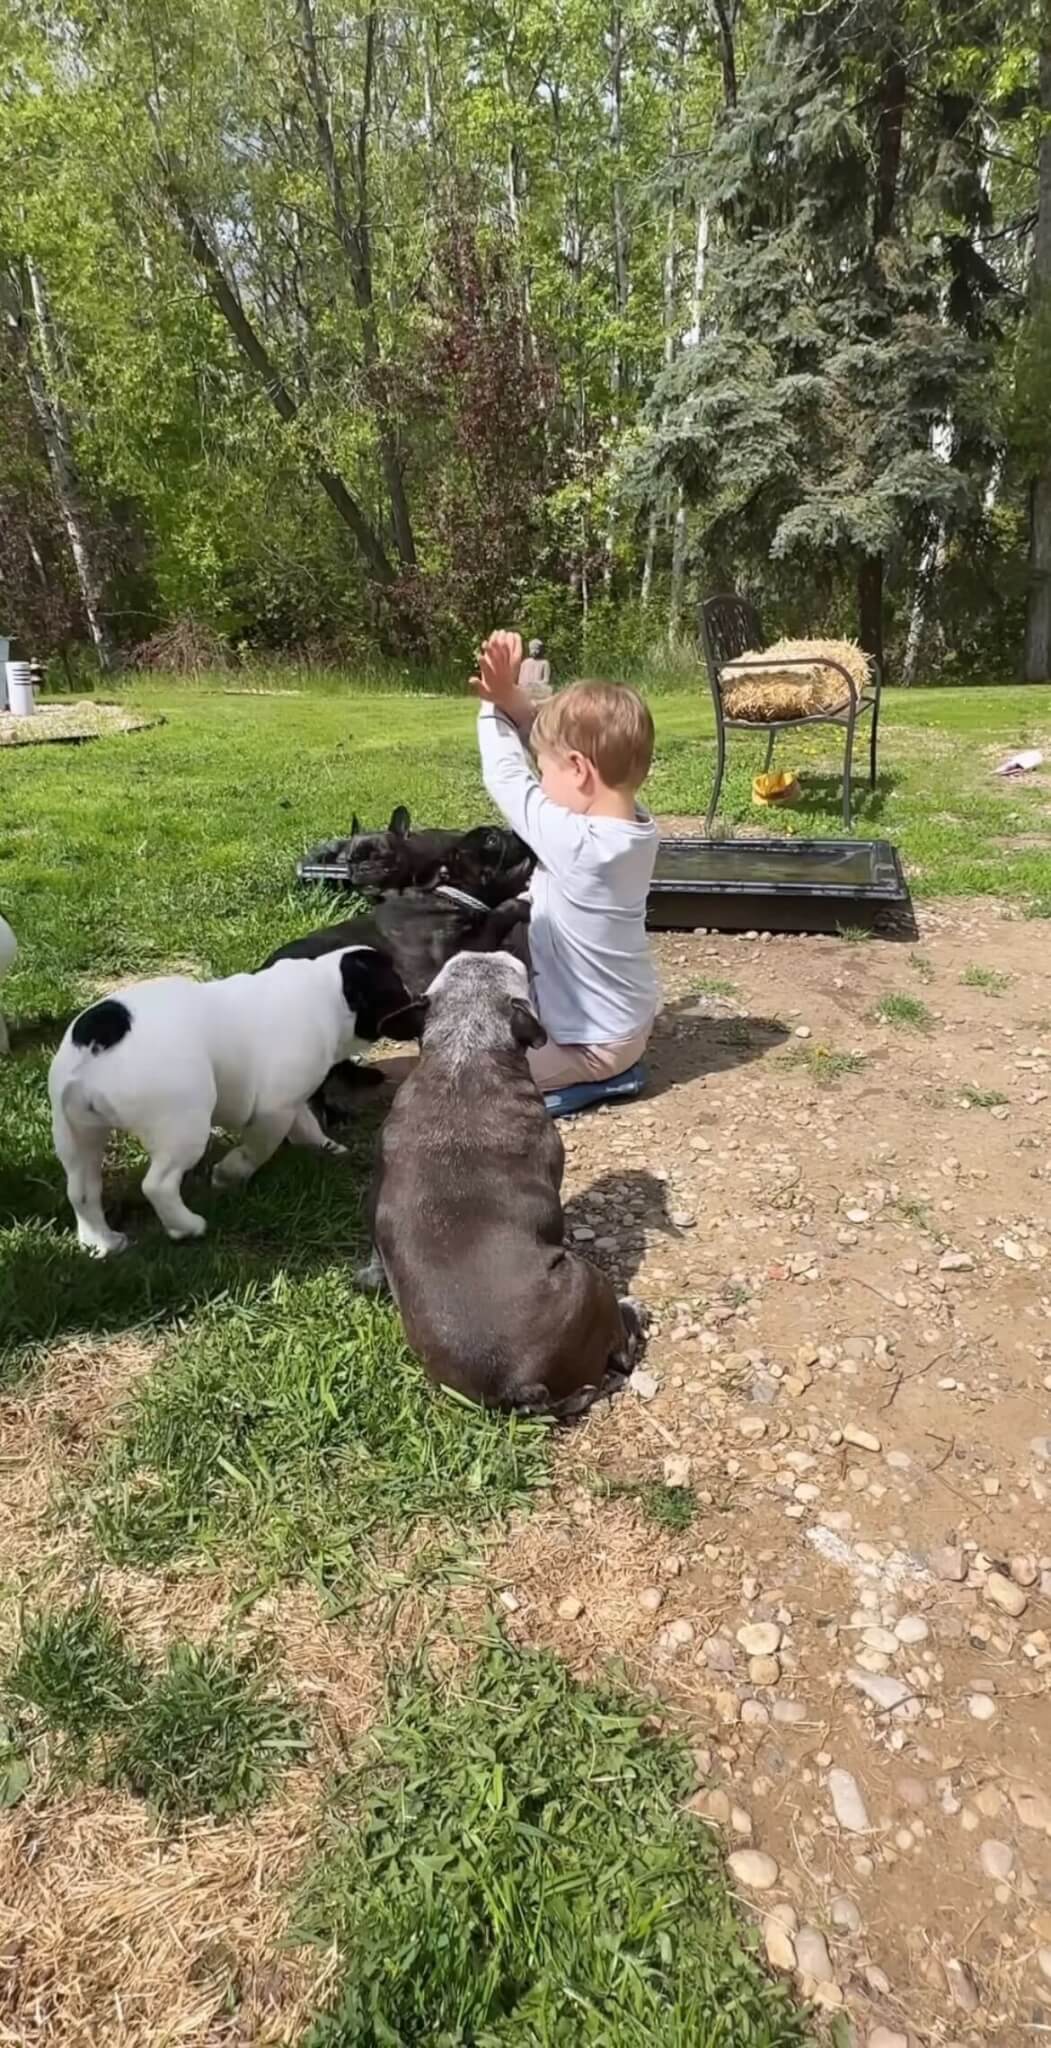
x,y
204,1434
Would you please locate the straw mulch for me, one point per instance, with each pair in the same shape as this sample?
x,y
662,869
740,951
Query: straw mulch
x,y
79,719
762,698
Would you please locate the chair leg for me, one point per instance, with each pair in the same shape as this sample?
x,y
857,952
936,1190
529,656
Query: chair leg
x,y
872,745
720,769
770,750
848,759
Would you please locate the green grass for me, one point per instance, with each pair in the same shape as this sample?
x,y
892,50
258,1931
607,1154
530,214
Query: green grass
x,y
74,1671
981,1098
987,979
711,985
510,1865
922,967
667,1507
903,1013
293,1427
823,1063
212,1735
855,934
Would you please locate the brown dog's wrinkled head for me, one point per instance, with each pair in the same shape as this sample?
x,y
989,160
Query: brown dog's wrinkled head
x,y
480,1003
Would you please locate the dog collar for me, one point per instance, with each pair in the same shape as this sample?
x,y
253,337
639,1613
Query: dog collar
x,y
459,896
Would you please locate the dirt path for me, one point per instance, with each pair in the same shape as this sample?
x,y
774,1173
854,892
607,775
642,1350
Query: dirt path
x,y
852,1371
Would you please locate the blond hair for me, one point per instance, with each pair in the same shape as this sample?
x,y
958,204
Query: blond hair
x,y
606,722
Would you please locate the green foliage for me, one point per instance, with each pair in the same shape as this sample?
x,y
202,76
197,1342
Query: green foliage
x,y
823,1063
211,1736
903,1013
988,979
294,1425
667,1507
74,1671
514,1865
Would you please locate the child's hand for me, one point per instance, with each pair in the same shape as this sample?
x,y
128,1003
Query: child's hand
x,y
500,661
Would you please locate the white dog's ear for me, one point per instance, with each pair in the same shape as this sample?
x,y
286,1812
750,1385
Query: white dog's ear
x,y
399,821
526,1028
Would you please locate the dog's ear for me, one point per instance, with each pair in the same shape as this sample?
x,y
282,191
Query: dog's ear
x,y
526,1028
399,821
355,827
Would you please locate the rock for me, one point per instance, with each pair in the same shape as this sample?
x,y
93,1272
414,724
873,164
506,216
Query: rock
x,y
780,1949
981,1707
847,1802
1032,1806
764,1670
884,1692
754,1714
644,1385
789,1713
1003,1593
1012,1249
756,1871
741,1822
861,1439
759,1638
997,1860
651,1598
885,2037
676,1637
509,1601
956,1262
844,1915
719,1654
949,1562
812,1956
1043,1962
677,1471
713,1804
881,1640
990,1801
571,1608
671,1566
963,1989
1024,1571
912,1629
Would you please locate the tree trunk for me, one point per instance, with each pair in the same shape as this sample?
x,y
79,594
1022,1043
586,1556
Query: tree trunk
x,y
356,243
54,426
890,130
255,353
679,536
870,607
1038,609
725,12
669,285
621,282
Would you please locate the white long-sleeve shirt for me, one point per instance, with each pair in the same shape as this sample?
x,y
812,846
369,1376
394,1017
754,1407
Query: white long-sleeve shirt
x,y
593,978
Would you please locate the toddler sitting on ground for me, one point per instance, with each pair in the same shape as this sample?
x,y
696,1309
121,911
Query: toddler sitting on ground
x,y
593,979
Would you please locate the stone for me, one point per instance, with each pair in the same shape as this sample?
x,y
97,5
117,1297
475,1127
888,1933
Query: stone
x,y
847,1802
570,1608
651,1598
956,1262
885,1692
885,2037
677,1636
1032,1806
759,1638
912,1629
509,1601
741,1822
861,1439
812,1956
881,1640
789,1713
949,1562
981,1707
780,1949
755,1870
1003,1593
754,1714
718,1654
1043,1962
963,1989
1024,1571
644,1385
844,1915
677,1471
997,1860
713,1804
764,1670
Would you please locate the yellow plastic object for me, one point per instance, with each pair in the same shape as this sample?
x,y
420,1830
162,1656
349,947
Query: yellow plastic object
x,y
775,789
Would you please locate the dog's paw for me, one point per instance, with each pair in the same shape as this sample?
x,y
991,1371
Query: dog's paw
x,y
334,1149
102,1244
194,1226
231,1171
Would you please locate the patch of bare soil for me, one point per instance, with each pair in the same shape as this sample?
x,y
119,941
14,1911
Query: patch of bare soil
x,y
852,1370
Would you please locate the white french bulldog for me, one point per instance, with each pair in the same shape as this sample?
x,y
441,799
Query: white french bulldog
x,y
167,1060
8,955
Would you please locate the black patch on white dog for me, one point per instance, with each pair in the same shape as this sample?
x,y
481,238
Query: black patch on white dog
x,y
378,998
103,1026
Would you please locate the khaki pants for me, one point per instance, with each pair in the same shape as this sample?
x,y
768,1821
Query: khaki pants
x,y
562,1066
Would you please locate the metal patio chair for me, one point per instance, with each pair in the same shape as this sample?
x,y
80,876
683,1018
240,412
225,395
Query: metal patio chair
x,y
729,625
